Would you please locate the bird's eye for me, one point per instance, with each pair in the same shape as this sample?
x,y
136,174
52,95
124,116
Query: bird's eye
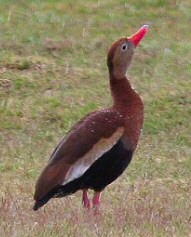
x,y
124,47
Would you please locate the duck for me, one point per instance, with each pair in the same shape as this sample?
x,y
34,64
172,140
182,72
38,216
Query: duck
x,y
98,148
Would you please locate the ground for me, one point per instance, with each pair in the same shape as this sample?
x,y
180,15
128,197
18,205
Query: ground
x,y
53,71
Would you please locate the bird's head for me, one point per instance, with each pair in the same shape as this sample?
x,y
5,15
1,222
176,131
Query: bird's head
x,y
121,53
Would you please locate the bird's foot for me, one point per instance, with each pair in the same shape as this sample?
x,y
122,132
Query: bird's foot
x,y
96,202
85,200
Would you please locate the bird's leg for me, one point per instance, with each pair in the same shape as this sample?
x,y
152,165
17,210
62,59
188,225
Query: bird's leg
x,y
85,199
96,200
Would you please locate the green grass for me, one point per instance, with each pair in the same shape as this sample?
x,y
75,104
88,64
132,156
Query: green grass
x,y
43,93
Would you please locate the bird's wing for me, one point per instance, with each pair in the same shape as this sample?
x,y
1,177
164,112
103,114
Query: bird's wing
x,y
86,142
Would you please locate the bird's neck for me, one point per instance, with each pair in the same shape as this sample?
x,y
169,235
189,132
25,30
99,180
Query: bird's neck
x,y
122,92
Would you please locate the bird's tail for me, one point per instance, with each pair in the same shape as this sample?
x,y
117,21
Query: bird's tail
x,y
41,202
59,191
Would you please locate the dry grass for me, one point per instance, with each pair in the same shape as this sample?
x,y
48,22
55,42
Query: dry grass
x,y
148,201
147,208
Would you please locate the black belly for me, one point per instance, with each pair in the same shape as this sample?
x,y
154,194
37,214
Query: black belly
x,y
107,168
102,172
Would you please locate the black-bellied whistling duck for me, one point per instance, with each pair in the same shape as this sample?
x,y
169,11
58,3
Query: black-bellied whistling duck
x,y
100,146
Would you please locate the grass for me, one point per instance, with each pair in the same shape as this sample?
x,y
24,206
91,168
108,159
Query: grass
x,y
44,92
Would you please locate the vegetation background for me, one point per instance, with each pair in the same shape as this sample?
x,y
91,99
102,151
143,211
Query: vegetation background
x,y
53,71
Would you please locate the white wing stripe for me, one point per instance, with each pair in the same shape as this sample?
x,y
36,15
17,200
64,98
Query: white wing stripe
x,y
84,163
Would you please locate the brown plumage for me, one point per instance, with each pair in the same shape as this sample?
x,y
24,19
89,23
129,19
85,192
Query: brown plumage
x,y
100,146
